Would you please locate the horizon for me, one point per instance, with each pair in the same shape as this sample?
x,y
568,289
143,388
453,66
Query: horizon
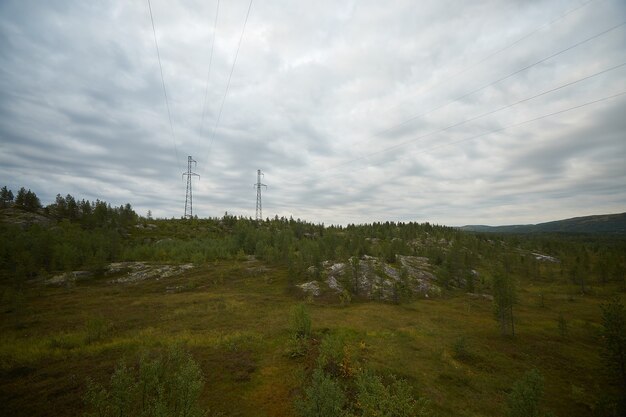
x,y
266,217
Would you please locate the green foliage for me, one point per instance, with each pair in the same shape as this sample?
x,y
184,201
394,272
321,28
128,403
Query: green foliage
x,y
524,399
345,298
24,253
460,348
334,354
27,200
614,338
504,296
300,322
96,329
87,235
375,399
298,344
168,385
355,270
323,397
6,197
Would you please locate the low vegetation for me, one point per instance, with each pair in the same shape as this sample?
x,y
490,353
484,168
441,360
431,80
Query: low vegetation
x,y
520,325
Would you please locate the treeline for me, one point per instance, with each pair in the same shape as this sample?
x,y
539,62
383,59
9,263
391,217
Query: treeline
x,y
297,244
456,256
96,214
68,234
88,234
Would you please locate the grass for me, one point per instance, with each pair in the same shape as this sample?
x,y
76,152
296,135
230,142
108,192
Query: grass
x,y
236,323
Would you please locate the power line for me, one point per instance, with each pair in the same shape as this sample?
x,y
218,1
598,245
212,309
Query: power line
x,y
545,116
504,48
219,114
419,116
589,103
406,142
208,76
167,104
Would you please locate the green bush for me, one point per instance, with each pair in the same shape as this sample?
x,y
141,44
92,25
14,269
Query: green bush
x,y
168,385
461,349
96,329
375,399
323,397
523,401
300,322
334,356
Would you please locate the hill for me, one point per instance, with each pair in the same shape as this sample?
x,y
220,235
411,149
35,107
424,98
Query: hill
x,y
604,223
100,306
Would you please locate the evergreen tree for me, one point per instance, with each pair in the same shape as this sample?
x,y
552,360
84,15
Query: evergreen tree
x,y
27,200
6,197
614,338
504,297
526,395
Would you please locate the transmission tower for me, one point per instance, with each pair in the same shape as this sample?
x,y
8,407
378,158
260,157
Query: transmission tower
x,y
258,185
188,195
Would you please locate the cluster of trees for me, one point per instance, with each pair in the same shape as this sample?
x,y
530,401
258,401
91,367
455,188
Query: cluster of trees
x,y
80,234
299,245
91,214
25,199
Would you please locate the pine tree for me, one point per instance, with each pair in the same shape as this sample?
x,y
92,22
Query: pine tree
x,y
6,197
614,337
504,297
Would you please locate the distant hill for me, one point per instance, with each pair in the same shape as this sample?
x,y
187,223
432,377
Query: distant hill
x,y
605,223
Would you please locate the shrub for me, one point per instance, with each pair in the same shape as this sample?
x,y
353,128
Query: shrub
x,y
614,338
461,349
96,329
163,386
524,399
345,298
335,355
323,397
300,332
300,322
393,400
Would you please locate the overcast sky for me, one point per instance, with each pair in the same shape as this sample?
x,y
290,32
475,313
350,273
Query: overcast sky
x,y
355,111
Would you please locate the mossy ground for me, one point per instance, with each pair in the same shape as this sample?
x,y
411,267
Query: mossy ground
x,y
234,318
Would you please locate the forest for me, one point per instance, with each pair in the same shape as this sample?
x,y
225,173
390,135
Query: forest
x,y
302,319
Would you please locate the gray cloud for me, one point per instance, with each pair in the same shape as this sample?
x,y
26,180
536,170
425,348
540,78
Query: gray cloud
x,y
318,101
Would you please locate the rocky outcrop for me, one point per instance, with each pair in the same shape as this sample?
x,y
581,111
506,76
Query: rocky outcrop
x,y
310,288
69,278
545,258
141,271
371,278
124,272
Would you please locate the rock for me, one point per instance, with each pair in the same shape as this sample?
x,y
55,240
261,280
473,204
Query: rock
x,y
311,287
69,277
141,271
545,258
477,296
380,280
333,284
23,218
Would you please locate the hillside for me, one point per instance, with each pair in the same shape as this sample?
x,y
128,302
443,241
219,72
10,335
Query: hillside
x,y
604,224
270,317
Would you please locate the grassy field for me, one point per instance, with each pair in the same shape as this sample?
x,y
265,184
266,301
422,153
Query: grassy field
x,y
234,317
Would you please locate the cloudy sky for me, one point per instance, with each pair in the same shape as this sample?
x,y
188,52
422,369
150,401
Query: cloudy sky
x,y
452,112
